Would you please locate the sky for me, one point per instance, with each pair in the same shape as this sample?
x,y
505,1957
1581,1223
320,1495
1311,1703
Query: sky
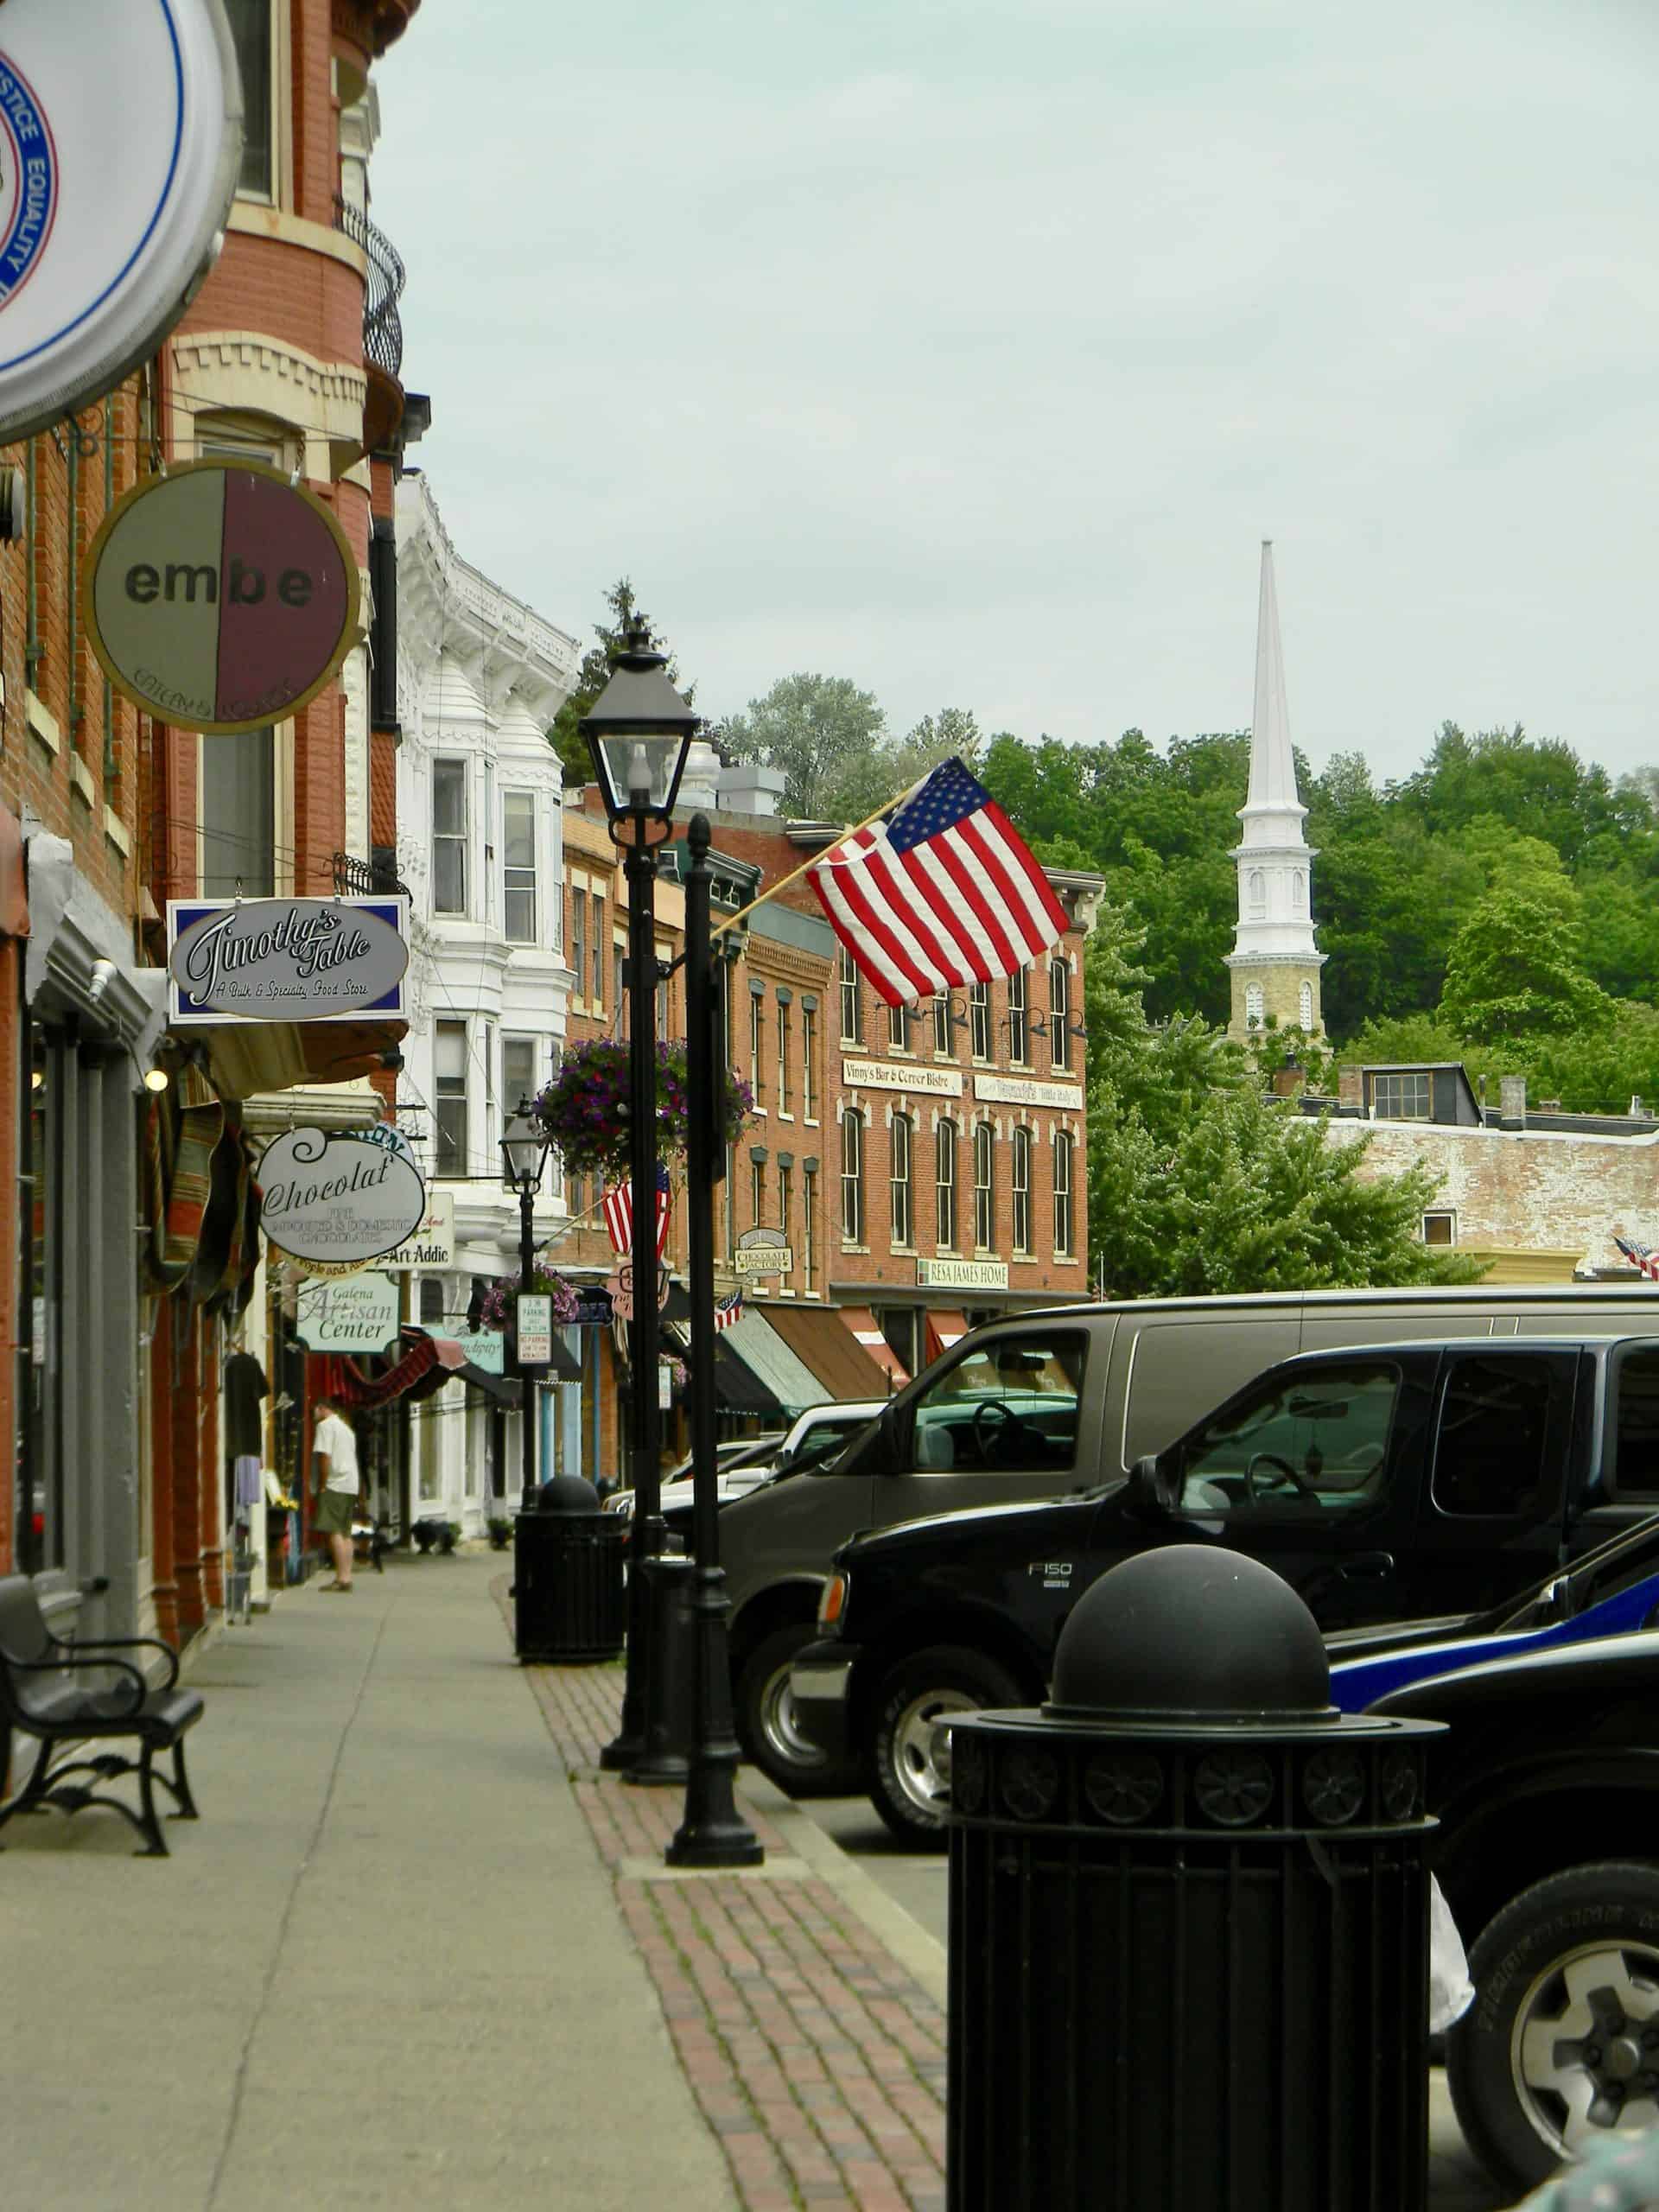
x,y
969,348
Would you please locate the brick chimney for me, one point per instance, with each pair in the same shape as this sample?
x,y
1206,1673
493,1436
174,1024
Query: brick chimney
x,y
1350,1090
1512,1098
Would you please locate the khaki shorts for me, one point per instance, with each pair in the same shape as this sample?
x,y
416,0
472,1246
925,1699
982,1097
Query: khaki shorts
x,y
332,1512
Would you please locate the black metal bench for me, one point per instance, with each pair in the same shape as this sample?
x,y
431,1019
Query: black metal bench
x,y
39,1697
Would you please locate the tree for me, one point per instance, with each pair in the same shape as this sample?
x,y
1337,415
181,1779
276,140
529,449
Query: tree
x,y
868,779
1517,971
812,727
597,664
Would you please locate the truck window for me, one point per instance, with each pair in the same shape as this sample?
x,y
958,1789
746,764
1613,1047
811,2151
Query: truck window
x,y
1490,1453
1009,1403
1317,1440
1179,1369
1636,1437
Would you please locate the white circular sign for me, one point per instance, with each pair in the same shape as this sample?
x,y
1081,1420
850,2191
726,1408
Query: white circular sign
x,y
349,1195
120,143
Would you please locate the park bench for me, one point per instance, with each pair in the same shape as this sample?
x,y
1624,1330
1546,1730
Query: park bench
x,y
41,1696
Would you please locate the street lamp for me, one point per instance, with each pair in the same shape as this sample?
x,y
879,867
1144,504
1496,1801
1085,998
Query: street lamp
x,y
639,731
523,1158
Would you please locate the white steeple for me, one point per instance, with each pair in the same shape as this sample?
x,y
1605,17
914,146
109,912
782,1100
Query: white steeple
x,y
1274,960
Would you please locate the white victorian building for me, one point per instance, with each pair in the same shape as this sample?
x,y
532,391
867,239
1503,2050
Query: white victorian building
x,y
1274,961
480,848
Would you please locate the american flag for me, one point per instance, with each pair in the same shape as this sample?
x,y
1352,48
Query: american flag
x,y
619,1216
728,1310
944,891
1640,1255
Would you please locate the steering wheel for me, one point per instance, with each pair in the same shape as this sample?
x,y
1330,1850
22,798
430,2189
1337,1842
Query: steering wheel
x,y
984,1438
1281,1466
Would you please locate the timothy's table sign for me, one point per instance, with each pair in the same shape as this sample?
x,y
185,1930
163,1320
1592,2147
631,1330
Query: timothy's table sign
x,y
120,140
340,1196
221,597
285,959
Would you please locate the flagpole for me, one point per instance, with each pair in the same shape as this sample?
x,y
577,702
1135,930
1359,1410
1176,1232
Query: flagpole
x,y
795,875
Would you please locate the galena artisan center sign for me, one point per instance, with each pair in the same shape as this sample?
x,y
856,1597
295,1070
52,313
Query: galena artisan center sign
x,y
345,1195
285,959
221,596
120,143
357,1314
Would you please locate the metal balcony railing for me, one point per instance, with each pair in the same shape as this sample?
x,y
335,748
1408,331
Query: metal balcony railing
x,y
356,878
382,331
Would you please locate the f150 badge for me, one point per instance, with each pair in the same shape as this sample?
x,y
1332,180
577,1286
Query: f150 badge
x,y
1056,1572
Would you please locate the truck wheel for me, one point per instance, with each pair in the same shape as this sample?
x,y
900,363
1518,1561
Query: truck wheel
x,y
910,1756
1562,2043
767,1723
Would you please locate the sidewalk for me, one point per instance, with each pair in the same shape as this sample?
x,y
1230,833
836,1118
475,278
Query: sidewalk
x,y
409,1957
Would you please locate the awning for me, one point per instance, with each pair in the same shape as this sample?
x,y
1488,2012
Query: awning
x,y
862,1322
738,1389
943,1329
426,1361
186,1120
253,1059
790,1386
818,1337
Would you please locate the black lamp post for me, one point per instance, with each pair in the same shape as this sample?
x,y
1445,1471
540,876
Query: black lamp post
x,y
713,1833
524,1158
640,732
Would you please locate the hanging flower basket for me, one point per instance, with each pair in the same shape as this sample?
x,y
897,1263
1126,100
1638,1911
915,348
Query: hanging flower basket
x,y
495,1307
586,1109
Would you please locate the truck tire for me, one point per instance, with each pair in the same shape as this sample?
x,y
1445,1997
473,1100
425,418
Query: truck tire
x,y
766,1721
909,1755
1562,2043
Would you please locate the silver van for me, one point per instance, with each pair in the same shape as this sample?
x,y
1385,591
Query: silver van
x,y
1055,1400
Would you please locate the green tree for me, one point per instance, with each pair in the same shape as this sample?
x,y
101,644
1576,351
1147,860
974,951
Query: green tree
x,y
595,673
813,728
1517,971
865,782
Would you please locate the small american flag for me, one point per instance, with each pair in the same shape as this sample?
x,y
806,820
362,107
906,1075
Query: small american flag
x,y
619,1216
728,1310
945,892
1640,1255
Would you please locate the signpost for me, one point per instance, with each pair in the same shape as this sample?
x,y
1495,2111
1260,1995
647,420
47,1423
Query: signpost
x,y
349,1196
285,959
221,596
535,1325
120,143
359,1313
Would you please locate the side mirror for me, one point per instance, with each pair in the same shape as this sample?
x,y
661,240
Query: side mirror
x,y
1154,1492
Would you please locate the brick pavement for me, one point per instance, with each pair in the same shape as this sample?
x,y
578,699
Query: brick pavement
x,y
814,2056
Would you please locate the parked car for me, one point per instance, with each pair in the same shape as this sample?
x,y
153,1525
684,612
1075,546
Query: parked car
x,y
742,1461
1118,1382
1419,1481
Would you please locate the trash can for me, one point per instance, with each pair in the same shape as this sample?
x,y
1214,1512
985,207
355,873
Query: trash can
x,y
567,1576
1189,1918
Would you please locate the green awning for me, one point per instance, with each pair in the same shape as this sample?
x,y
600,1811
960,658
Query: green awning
x,y
792,1386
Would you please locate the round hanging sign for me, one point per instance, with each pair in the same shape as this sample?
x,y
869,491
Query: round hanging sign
x,y
221,596
120,144
341,1195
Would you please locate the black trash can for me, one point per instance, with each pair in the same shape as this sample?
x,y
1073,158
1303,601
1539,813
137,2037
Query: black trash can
x,y
567,1576
1189,1918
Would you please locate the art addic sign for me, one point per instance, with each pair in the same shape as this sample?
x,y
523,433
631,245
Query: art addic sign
x,y
120,142
350,1195
221,597
285,959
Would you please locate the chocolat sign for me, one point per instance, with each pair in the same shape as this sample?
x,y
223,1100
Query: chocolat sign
x,y
221,596
341,1195
120,143
285,959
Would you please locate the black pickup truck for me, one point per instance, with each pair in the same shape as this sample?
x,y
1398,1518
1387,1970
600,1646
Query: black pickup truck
x,y
1411,1482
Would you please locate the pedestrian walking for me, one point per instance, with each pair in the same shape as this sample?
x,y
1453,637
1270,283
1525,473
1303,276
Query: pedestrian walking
x,y
334,1484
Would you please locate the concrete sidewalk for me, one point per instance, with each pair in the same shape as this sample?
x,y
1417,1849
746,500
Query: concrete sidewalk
x,y
385,1967
415,1953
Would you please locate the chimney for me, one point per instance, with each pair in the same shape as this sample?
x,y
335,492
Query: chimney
x,y
1350,1090
747,788
1286,1080
699,779
1512,1098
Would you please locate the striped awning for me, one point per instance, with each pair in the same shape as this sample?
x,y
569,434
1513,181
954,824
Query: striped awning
x,y
865,1327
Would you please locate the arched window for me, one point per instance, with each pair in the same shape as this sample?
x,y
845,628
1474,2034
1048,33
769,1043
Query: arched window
x,y
1062,1193
984,1192
944,1187
900,1148
852,1178
1305,1006
1060,1014
1022,1190
1254,1005
1255,895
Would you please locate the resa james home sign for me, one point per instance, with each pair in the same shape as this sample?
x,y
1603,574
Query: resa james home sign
x,y
285,959
346,1195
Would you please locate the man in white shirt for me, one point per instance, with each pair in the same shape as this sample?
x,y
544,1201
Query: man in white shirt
x,y
333,1487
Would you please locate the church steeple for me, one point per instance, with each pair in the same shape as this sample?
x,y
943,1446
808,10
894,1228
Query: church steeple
x,y
1274,961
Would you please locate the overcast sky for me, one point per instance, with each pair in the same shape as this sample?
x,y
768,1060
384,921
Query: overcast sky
x,y
968,348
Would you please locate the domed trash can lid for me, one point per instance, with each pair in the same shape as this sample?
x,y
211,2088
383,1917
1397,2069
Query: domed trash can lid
x,y
1190,1633
567,1494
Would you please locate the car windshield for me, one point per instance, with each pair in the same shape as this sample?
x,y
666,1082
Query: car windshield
x,y
1602,1573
